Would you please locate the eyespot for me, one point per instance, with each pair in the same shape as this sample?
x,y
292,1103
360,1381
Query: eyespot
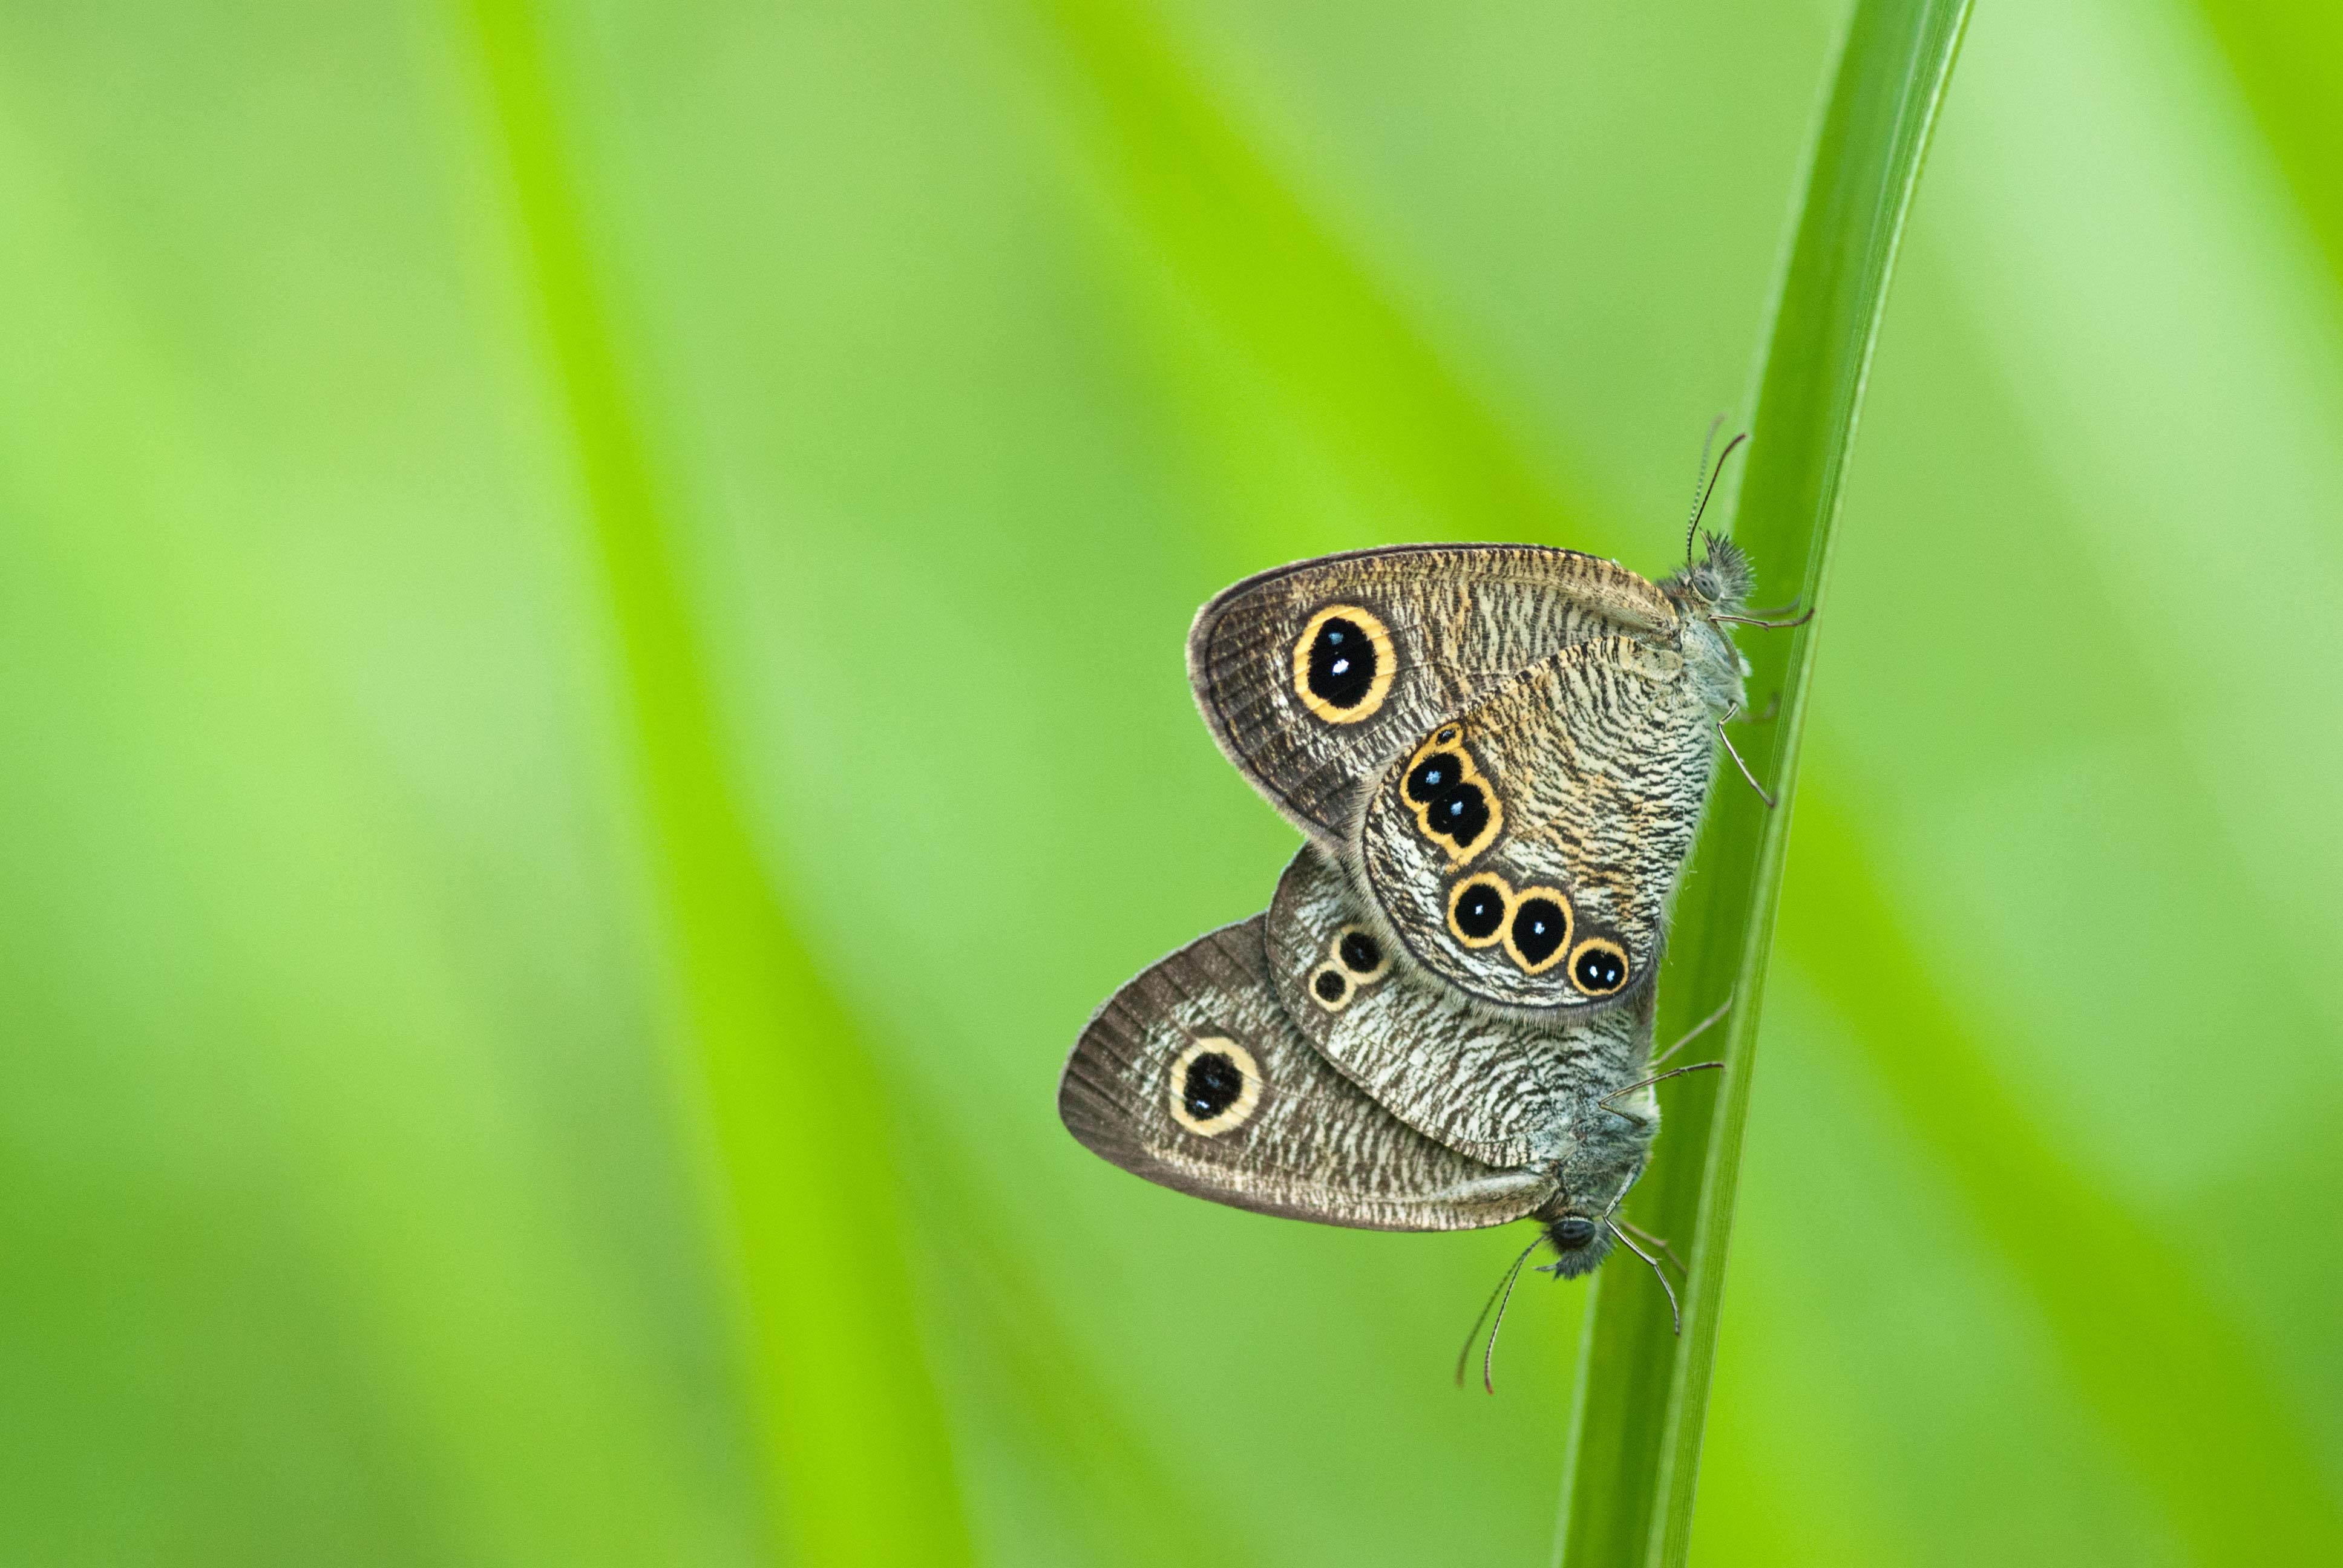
x,y
1477,907
1343,664
1462,816
1438,773
1331,986
1454,805
1215,1087
1538,934
1599,966
1357,950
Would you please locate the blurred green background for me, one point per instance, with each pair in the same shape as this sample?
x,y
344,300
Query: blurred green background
x,y
590,609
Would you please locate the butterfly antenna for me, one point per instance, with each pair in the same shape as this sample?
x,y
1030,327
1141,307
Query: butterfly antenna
x,y
1675,1316
1700,478
1500,1299
1700,508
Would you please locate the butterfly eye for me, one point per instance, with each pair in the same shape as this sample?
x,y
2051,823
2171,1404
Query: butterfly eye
x,y
1477,908
1539,931
1599,967
1573,1233
1215,1087
1331,986
1342,664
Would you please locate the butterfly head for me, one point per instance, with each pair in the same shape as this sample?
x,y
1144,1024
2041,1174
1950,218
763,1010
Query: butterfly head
x,y
1719,583
1710,594
1593,1181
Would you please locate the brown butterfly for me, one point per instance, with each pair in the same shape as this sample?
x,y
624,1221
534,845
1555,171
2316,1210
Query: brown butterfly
x,y
1500,755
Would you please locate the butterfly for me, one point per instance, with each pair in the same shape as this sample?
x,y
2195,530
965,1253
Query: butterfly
x,y
1498,756
1507,747
1289,1064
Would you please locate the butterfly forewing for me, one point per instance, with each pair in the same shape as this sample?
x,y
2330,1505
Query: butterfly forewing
x,y
1194,1076
1528,849
1311,676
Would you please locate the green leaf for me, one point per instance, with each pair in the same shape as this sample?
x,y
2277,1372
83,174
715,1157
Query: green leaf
x,y
1635,1435
854,1433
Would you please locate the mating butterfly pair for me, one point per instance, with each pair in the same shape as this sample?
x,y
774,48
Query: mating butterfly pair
x,y
1500,755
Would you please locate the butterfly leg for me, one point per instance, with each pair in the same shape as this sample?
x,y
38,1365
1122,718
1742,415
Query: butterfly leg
x,y
1676,1314
1765,625
1729,751
1656,1078
1694,1033
1656,1244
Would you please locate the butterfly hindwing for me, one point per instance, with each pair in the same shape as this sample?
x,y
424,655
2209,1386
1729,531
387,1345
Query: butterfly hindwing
x,y
1194,1076
1506,1089
1312,675
1528,849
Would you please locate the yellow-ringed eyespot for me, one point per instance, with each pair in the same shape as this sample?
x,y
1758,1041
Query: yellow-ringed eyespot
x,y
1537,933
1598,966
1433,774
1215,1087
1343,664
1477,908
1454,805
1330,988
1361,953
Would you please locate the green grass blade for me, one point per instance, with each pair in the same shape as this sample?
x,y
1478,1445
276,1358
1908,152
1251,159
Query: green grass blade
x,y
1642,1397
2289,61
852,1426
1383,395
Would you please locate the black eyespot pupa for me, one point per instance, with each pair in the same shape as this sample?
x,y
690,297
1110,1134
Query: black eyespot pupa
x,y
1599,967
1539,930
1460,816
1433,777
1477,907
1343,664
1215,1087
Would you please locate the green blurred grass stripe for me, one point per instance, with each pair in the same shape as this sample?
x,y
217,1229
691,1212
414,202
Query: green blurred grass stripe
x,y
852,1423
2190,1399
168,1347
1635,1435
1240,234
2288,59
1107,1473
